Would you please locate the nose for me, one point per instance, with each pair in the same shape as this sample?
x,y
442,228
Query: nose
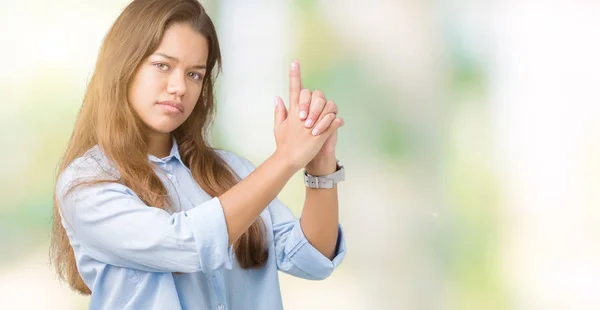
x,y
176,84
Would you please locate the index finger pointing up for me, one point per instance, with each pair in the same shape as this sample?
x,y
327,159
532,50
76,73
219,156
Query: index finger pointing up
x,y
295,84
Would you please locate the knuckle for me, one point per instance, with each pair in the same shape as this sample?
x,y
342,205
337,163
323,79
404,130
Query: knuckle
x,y
326,119
304,97
315,110
316,107
319,94
330,106
317,116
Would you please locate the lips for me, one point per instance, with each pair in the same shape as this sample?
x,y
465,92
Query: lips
x,y
173,104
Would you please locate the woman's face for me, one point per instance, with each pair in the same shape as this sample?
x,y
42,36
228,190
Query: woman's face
x,y
167,85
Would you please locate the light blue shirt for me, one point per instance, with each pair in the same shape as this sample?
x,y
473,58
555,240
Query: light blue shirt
x,y
127,252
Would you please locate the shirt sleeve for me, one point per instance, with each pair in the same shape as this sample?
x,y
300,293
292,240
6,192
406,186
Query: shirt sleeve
x,y
109,223
294,253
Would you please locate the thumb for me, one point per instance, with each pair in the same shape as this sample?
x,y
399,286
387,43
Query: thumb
x,y
280,111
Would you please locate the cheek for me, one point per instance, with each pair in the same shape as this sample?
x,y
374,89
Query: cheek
x,y
193,96
144,89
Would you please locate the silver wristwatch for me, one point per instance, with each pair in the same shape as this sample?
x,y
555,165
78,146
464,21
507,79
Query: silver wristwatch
x,y
325,181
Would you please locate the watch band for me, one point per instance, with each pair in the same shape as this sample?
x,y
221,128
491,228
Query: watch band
x,y
325,181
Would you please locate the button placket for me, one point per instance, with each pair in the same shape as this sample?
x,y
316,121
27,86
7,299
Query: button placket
x,y
218,288
168,169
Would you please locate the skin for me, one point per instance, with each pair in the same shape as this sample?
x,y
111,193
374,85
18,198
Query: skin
x,y
319,218
174,72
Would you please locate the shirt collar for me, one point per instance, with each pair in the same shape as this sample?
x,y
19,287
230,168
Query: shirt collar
x,y
174,153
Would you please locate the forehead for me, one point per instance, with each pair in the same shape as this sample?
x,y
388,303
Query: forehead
x,y
185,43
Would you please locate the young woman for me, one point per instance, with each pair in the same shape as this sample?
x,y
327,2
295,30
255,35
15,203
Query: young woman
x,y
149,216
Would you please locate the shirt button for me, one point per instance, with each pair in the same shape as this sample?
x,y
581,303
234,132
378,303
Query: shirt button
x,y
170,176
220,307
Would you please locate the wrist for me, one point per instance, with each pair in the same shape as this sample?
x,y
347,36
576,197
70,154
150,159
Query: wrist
x,y
322,165
284,162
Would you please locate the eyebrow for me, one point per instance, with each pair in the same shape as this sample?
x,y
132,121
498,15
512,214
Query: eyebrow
x,y
173,58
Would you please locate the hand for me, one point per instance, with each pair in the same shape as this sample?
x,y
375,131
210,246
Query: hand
x,y
294,141
318,113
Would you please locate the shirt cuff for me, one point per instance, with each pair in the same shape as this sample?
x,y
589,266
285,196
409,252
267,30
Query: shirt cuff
x,y
307,258
210,233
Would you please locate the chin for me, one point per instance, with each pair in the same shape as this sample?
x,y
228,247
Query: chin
x,y
164,128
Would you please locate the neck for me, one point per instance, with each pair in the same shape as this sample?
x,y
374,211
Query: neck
x,y
159,144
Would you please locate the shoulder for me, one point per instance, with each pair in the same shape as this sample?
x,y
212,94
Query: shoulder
x,y
241,165
92,165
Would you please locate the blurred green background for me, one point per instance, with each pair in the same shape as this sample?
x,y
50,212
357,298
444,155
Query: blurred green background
x,y
470,145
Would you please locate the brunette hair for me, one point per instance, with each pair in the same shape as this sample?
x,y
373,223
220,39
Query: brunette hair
x,y
107,119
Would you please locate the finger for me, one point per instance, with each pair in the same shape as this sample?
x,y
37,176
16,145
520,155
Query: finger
x,y
330,107
323,124
335,125
304,110
304,101
295,85
316,109
280,111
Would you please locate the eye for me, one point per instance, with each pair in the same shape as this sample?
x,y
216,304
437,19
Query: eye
x,y
195,75
161,66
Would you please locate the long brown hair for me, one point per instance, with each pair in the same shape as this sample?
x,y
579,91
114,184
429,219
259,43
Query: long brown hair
x,y
107,119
